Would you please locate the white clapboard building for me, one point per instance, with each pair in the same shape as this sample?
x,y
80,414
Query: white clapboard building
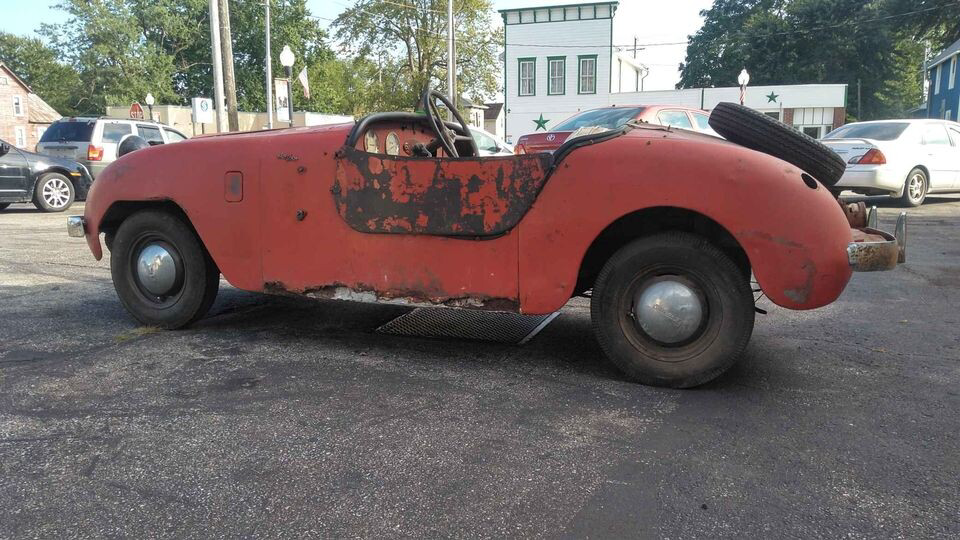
x,y
560,60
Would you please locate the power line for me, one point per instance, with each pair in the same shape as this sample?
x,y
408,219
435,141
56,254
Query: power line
x,y
408,6
856,23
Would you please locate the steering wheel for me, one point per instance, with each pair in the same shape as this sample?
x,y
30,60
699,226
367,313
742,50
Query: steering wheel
x,y
447,137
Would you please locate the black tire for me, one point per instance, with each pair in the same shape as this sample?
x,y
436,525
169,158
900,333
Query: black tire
x,y
3,206
757,131
721,334
53,193
915,188
197,281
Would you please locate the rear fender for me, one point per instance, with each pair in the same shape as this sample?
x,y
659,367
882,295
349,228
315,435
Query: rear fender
x,y
792,230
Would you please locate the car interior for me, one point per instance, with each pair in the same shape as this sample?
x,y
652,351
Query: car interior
x,y
416,135
404,134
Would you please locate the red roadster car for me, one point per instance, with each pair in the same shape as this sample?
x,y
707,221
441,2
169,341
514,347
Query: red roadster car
x,y
664,226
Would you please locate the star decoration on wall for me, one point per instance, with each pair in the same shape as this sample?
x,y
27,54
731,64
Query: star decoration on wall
x,y
772,98
541,123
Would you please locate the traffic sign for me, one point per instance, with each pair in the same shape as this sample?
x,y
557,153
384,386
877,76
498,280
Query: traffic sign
x,y
136,111
202,110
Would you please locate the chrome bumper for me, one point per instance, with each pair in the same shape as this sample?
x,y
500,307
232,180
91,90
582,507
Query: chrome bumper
x,y
873,250
76,226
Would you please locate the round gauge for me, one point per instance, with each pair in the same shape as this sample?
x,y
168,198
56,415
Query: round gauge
x,y
370,142
392,144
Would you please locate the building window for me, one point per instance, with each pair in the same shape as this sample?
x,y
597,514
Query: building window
x,y
936,80
20,135
4,81
587,75
953,73
557,75
17,106
528,76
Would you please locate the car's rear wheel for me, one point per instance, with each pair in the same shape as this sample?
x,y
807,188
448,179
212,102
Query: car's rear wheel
x,y
54,193
915,188
672,310
162,273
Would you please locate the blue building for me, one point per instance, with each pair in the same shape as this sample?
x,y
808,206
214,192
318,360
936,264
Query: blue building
x,y
943,100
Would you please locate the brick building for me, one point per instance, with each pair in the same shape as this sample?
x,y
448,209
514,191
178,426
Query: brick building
x,y
23,115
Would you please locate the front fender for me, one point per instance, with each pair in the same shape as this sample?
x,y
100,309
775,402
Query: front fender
x,y
193,176
794,235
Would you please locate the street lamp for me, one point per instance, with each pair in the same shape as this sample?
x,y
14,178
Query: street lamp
x,y
744,80
286,60
150,101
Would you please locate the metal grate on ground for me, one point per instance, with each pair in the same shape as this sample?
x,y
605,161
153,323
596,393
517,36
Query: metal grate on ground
x,y
468,324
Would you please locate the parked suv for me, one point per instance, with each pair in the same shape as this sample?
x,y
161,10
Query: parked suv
x,y
94,141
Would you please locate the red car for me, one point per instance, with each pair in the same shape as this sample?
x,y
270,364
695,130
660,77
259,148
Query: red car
x,y
665,227
612,118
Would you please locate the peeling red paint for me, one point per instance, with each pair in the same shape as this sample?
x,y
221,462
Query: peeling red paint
x,y
472,196
369,293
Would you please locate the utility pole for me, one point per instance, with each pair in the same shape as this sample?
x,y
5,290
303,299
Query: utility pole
x,y
217,66
226,46
451,61
859,117
266,7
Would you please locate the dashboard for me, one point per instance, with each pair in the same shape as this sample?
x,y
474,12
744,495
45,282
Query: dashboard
x,y
395,138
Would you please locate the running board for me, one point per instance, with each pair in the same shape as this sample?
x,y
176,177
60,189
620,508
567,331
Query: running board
x,y
468,324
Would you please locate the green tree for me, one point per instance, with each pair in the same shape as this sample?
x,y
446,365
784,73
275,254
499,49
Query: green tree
x,y
37,65
933,21
811,41
122,49
406,40
116,64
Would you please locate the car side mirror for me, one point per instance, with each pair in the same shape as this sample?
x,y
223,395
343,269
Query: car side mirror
x,y
4,149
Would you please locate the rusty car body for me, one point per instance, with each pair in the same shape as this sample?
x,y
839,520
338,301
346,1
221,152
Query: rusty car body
x,y
320,211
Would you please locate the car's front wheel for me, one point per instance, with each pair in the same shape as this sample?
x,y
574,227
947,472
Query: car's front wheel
x,y
161,272
54,193
3,206
915,188
672,310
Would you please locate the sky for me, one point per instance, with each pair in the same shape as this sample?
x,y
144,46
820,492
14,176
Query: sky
x,y
651,21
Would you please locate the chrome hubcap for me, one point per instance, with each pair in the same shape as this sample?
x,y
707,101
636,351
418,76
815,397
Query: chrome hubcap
x,y
916,186
668,311
56,192
157,270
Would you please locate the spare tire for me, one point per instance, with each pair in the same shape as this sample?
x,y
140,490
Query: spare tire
x,y
757,131
131,143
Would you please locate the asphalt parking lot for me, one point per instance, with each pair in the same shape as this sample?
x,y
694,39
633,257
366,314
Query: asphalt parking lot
x,y
286,418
